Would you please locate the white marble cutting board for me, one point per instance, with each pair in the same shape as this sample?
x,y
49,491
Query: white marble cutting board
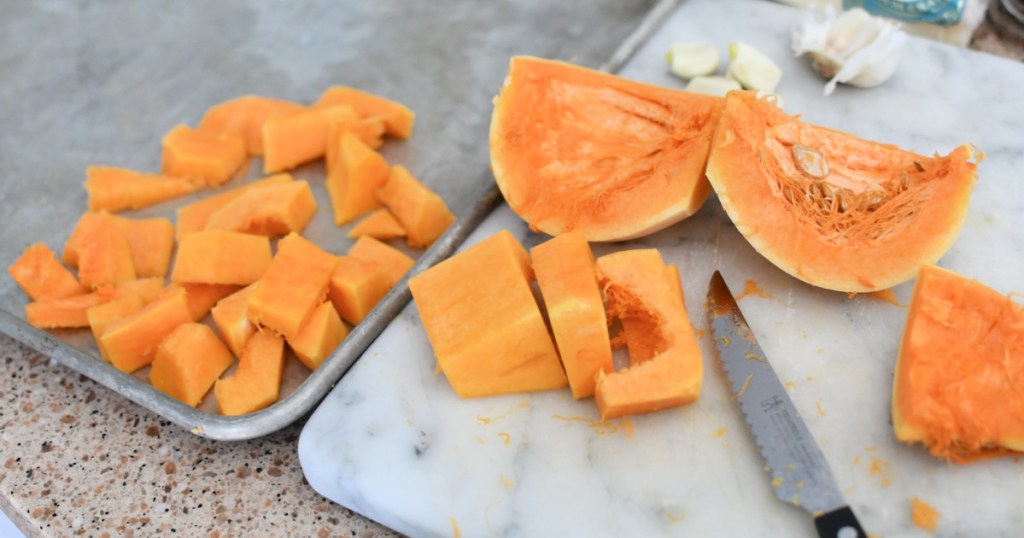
x,y
393,442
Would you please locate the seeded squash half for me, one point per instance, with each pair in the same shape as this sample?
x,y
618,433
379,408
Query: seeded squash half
x,y
574,149
829,208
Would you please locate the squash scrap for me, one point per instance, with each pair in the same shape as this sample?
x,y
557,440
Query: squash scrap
x,y
381,224
257,381
188,362
131,342
353,183
483,322
959,383
293,286
244,117
356,287
220,257
117,189
318,337
151,242
395,262
42,277
568,283
422,213
267,210
398,119
193,217
212,158
647,296
231,315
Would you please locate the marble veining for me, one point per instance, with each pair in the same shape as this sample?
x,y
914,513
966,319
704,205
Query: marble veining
x,y
393,442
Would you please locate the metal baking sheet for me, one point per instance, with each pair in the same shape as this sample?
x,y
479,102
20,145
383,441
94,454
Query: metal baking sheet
x,y
101,83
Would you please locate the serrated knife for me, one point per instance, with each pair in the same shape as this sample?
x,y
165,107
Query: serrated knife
x,y
800,474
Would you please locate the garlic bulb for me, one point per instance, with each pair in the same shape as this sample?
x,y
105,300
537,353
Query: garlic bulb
x,y
853,48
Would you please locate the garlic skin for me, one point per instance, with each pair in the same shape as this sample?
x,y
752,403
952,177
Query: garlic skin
x,y
854,48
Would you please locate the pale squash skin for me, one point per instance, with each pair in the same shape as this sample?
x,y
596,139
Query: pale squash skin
x,y
959,381
919,203
573,149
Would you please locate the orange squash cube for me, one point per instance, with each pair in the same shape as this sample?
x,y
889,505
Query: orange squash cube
x,y
422,213
398,119
193,217
42,277
318,337
292,287
188,362
131,342
117,189
395,262
71,312
290,140
102,316
220,257
645,295
212,158
151,242
565,274
369,130
268,210
231,315
104,256
202,297
353,183
356,287
483,322
256,383
381,224
244,117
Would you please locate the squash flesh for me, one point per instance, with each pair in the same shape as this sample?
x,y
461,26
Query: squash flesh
x,y
294,284
381,224
257,382
193,217
565,273
318,337
421,212
188,362
638,285
352,185
576,149
212,158
869,223
102,316
483,322
394,262
356,287
398,119
959,383
117,189
42,277
244,117
267,210
231,315
151,242
221,257
132,342
104,256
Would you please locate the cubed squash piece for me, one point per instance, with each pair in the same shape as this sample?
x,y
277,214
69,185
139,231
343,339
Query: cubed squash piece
x,y
565,274
356,287
395,262
231,315
318,337
72,312
104,256
244,117
151,242
268,210
42,277
381,224
256,383
202,297
102,316
641,290
422,213
188,362
221,257
292,287
131,342
352,185
398,119
193,217
117,189
290,140
212,158
483,322
369,130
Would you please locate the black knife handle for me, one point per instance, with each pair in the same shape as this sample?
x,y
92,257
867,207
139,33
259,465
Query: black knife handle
x,y
839,523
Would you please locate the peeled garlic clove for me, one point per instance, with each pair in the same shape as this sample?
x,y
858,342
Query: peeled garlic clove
x,y
688,60
854,48
752,69
712,85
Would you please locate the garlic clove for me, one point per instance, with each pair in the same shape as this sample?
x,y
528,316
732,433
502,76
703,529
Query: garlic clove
x,y
712,85
752,69
689,60
854,48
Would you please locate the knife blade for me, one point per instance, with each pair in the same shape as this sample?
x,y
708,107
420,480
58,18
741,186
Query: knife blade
x,y
800,473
